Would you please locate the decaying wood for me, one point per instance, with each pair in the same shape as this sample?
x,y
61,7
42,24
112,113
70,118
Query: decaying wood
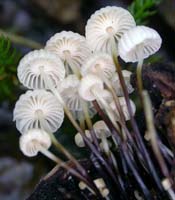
x,y
60,185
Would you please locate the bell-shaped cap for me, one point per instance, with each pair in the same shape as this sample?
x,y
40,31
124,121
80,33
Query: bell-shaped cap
x,y
139,43
89,83
33,141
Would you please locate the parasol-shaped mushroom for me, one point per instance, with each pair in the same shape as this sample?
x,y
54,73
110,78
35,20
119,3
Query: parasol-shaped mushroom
x,y
38,109
40,69
71,48
100,64
107,25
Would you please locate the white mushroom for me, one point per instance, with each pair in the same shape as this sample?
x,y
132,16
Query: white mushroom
x,y
101,129
69,92
124,108
116,82
79,139
71,48
99,182
38,109
92,88
136,45
106,24
139,43
39,69
102,132
100,64
34,141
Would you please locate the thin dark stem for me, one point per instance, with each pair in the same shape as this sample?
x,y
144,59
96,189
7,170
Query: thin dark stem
x,y
71,170
91,146
134,124
135,173
68,155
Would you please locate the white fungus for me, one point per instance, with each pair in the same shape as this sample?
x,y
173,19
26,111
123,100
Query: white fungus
x,y
70,47
33,141
90,84
38,109
38,67
69,92
106,23
124,107
79,139
116,82
99,64
101,129
139,43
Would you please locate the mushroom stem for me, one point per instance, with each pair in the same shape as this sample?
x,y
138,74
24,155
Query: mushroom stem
x,y
78,128
73,68
82,122
107,108
61,148
48,82
86,114
139,76
115,97
67,154
152,132
91,146
89,123
139,140
168,187
61,163
105,145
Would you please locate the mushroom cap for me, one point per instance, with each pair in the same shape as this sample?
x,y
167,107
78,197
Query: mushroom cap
x,y
105,23
139,43
34,140
38,108
124,108
116,82
36,63
99,182
101,129
79,139
69,46
88,83
99,63
69,92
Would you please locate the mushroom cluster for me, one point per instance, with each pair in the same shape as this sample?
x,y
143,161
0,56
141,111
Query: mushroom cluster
x,y
73,73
